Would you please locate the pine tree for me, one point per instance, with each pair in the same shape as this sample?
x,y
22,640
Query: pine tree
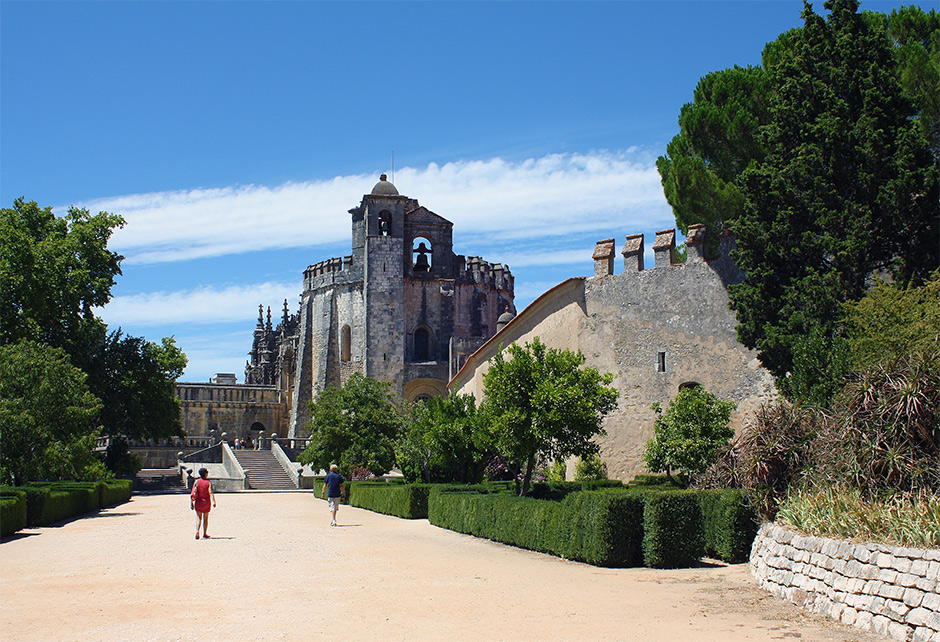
x,y
847,187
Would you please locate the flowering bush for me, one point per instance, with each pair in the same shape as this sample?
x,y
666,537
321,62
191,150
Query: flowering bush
x,y
360,473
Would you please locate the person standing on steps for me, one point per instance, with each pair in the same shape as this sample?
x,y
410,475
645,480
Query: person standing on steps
x,y
337,491
200,499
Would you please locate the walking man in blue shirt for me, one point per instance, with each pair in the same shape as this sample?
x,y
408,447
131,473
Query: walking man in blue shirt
x,y
333,482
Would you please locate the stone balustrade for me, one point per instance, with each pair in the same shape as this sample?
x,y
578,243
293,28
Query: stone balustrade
x,y
889,590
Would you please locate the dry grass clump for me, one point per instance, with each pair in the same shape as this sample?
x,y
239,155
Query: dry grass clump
x,y
908,519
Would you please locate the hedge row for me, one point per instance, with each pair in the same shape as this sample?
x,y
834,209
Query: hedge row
x,y
45,503
650,528
557,491
596,527
12,511
729,524
408,501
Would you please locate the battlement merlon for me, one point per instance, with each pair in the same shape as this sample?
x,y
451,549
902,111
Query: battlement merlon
x,y
474,269
633,253
695,243
604,257
664,249
327,268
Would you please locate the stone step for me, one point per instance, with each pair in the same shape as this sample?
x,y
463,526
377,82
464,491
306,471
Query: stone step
x,y
264,470
159,480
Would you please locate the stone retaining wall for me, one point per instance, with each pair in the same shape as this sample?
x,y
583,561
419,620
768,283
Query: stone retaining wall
x,y
889,590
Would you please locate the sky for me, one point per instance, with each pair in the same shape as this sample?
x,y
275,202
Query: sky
x,y
233,137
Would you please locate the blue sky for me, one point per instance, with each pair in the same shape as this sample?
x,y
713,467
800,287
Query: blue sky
x,y
234,136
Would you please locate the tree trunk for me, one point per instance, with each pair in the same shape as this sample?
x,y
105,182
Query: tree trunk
x,y
530,464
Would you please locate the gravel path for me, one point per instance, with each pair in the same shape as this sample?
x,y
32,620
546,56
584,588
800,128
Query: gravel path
x,y
276,570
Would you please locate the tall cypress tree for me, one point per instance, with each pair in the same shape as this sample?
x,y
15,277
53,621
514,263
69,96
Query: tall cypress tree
x,y
847,188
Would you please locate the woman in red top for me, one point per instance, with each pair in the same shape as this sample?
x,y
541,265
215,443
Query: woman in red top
x,y
200,499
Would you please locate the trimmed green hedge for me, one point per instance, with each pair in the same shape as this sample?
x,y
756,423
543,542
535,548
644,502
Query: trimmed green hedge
x,y
12,511
672,529
662,529
600,528
408,501
557,491
50,502
730,524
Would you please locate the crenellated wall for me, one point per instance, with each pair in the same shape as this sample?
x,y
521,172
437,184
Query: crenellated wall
x,y
654,329
330,271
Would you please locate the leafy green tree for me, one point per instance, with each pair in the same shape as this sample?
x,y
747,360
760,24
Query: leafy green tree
x,y
892,321
821,363
689,435
916,35
589,468
718,138
46,414
53,272
719,131
847,187
354,426
443,441
544,404
136,381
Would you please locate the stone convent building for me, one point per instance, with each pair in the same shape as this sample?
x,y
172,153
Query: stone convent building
x,y
656,330
401,308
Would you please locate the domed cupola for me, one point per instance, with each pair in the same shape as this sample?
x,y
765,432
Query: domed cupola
x,y
504,320
384,188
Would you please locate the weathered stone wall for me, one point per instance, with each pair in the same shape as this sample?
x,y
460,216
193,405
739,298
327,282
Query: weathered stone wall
x,y
233,409
655,330
889,590
384,310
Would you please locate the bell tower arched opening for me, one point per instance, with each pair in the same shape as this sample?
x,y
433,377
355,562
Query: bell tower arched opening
x,y
423,254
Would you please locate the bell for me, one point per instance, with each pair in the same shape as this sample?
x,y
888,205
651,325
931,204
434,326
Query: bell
x,y
421,264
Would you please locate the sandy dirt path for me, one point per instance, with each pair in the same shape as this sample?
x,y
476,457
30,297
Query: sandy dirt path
x,y
275,570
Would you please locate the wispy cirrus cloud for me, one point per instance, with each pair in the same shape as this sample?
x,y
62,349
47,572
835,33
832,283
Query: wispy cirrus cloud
x,y
489,200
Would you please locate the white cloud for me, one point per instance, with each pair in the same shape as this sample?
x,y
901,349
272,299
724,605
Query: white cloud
x,y
555,195
204,305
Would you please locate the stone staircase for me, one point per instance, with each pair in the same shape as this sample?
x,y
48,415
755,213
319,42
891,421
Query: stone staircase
x,y
264,470
159,480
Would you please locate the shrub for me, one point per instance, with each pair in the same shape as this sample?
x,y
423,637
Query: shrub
x,y
883,434
58,505
116,492
12,511
691,432
86,495
729,524
557,491
768,456
50,502
601,528
407,501
672,529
